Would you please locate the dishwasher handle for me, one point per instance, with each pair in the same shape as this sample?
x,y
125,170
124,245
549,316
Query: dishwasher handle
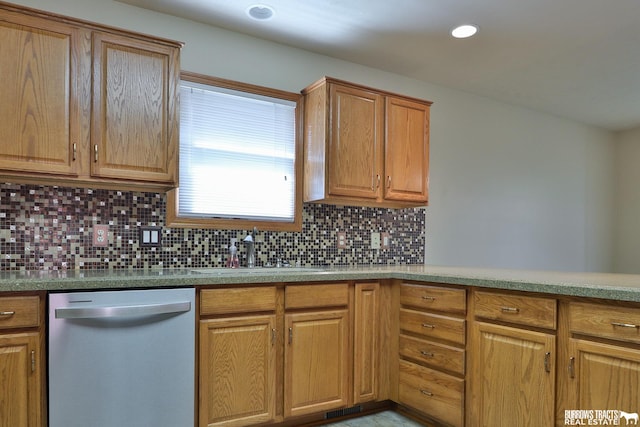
x,y
122,311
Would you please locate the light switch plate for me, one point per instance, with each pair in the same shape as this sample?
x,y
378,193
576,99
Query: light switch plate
x,y
150,236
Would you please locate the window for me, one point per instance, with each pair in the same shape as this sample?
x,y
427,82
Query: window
x,y
239,157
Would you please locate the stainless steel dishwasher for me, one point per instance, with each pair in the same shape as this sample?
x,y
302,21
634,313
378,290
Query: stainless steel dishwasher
x,y
122,358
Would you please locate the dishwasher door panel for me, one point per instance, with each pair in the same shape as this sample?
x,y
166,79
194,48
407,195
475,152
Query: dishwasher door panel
x,y
122,358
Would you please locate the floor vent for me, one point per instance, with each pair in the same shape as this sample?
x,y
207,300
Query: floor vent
x,y
342,412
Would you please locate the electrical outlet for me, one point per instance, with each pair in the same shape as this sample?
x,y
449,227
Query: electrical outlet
x,y
100,235
342,240
375,240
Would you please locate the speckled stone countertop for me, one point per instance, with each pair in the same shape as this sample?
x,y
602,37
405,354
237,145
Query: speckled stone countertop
x,y
623,287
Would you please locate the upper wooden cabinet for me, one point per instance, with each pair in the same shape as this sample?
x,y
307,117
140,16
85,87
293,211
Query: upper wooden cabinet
x,y
364,146
85,104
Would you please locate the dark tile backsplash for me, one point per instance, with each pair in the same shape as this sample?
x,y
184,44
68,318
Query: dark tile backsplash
x,y
50,228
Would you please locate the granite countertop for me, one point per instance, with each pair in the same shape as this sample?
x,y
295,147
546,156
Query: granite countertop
x,y
622,287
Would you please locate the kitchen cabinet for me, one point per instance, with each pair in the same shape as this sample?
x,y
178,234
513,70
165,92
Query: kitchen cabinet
x,y
237,356
364,146
432,351
602,370
317,351
366,338
512,363
86,104
21,362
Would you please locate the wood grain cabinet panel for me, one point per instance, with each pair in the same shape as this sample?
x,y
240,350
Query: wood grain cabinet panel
x,y
237,371
39,108
513,376
364,146
134,129
366,331
317,362
83,104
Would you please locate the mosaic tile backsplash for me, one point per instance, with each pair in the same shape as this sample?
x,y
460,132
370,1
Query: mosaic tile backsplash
x,y
50,228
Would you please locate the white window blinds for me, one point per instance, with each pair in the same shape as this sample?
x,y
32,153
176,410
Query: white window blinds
x,y
237,155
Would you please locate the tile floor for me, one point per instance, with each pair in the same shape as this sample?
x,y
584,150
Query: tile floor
x,y
381,419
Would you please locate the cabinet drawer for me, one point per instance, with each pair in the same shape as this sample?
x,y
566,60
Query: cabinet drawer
x,y
237,300
606,321
306,296
436,355
433,325
433,393
524,310
19,312
435,298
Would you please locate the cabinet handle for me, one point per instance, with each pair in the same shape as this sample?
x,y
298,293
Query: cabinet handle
x,y
7,313
273,336
428,298
572,368
547,364
426,325
75,150
95,153
514,310
290,335
33,361
625,325
426,392
389,181
426,353
378,181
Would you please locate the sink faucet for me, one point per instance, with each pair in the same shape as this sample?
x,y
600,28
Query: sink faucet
x,y
251,247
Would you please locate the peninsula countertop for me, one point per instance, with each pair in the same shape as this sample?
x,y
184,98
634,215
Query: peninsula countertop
x,y
621,287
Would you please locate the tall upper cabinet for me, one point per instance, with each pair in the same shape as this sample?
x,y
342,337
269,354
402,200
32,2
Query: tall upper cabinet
x,y
85,104
364,146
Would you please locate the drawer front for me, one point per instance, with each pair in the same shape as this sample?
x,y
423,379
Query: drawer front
x,y
433,393
434,298
306,296
435,355
433,325
237,300
19,312
606,321
524,310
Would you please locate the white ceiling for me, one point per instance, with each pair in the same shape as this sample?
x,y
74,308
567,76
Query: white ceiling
x,y
579,59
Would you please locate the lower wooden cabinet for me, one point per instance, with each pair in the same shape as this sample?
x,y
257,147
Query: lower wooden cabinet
x,y
366,340
22,376
317,362
237,371
513,374
20,384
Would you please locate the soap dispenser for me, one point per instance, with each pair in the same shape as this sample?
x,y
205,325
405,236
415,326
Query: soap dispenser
x,y
233,261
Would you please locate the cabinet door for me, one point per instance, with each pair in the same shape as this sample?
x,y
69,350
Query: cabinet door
x,y
20,388
317,363
365,341
355,142
406,150
237,371
40,115
134,123
513,377
603,376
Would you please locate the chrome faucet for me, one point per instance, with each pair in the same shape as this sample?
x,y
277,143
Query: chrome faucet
x,y
250,241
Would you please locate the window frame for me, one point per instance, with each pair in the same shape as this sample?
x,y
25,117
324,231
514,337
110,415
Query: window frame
x,y
174,220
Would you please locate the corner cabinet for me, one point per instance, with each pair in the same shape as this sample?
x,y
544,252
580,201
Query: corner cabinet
x,y
364,146
86,104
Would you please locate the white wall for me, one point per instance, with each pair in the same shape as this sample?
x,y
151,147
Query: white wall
x,y
509,187
627,229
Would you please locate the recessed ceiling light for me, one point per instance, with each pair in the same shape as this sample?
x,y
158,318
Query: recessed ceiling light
x,y
464,31
260,12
